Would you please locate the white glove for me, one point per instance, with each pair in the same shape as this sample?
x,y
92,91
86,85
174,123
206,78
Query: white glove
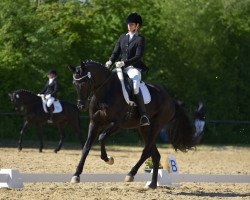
x,y
39,95
47,96
119,64
108,64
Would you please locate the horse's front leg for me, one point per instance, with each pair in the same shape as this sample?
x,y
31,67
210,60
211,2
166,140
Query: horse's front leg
x,y
40,137
92,132
113,127
75,123
23,130
62,136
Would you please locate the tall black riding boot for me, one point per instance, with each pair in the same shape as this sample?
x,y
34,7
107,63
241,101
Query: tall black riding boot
x,y
50,111
144,121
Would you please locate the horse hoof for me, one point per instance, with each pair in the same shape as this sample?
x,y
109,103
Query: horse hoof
x,y
75,179
148,187
40,150
129,178
55,151
20,149
110,161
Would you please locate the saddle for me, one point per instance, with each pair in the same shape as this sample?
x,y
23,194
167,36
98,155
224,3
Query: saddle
x,y
57,106
127,88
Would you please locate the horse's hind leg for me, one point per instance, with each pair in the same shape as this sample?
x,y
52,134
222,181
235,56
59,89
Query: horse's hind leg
x,y
62,136
23,130
146,153
113,127
149,136
156,160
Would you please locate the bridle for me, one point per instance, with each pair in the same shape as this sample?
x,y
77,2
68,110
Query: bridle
x,y
89,88
85,76
91,85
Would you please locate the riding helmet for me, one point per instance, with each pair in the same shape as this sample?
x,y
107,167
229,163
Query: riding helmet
x,y
134,18
52,71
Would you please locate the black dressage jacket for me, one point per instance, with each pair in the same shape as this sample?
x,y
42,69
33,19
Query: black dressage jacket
x,y
51,88
131,51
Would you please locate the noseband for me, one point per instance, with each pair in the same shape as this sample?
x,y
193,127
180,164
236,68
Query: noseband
x,y
78,79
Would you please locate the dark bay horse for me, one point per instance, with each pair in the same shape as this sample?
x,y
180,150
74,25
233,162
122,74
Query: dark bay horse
x,y
30,105
100,89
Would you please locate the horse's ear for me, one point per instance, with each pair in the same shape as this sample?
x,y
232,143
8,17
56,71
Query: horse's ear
x,y
83,64
72,69
10,95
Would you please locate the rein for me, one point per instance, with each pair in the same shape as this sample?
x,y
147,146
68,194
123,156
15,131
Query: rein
x,y
88,75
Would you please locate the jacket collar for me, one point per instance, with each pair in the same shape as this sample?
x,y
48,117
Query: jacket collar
x,y
135,35
51,80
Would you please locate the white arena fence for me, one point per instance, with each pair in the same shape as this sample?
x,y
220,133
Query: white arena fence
x,y
12,178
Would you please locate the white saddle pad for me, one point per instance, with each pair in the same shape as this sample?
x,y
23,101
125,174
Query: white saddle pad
x,y
57,106
145,93
144,89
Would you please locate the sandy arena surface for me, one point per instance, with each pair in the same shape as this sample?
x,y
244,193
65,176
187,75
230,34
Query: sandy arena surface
x,y
205,160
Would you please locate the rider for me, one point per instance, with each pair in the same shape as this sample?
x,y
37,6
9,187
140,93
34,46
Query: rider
x,y
50,92
200,118
131,48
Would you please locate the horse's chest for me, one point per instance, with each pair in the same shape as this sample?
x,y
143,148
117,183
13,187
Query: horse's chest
x,y
102,111
109,113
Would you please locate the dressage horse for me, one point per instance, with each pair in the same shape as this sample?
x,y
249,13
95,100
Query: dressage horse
x,y
100,91
31,106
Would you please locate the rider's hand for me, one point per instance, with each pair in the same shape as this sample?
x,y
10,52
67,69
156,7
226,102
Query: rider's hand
x,y
108,64
39,95
119,64
47,96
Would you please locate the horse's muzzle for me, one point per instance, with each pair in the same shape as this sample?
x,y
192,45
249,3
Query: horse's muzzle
x,y
82,107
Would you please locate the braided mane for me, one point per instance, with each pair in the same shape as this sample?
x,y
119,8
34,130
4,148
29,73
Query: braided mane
x,y
92,62
24,91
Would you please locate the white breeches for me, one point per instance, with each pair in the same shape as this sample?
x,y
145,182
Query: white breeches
x,y
50,101
135,75
199,126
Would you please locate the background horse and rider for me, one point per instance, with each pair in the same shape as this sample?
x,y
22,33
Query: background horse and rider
x,y
31,107
99,91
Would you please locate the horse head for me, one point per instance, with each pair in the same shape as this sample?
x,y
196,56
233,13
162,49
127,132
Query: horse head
x,y
22,98
15,100
87,78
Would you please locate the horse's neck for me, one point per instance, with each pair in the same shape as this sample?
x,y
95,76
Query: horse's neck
x,y
109,89
101,84
31,99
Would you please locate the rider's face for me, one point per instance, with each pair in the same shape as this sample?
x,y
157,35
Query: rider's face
x,y
133,27
51,75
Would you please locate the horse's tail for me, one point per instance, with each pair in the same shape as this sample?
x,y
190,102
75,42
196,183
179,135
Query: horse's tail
x,y
180,130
